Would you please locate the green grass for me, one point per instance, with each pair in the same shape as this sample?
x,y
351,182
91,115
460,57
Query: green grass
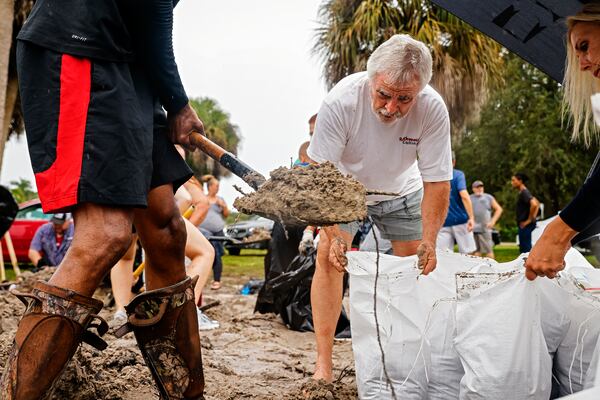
x,y
506,252
248,263
10,274
509,252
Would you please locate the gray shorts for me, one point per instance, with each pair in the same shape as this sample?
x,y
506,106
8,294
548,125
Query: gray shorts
x,y
397,219
484,242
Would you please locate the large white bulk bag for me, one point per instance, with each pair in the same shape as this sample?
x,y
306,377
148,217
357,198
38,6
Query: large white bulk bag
x,y
401,319
575,352
499,338
438,292
592,375
554,302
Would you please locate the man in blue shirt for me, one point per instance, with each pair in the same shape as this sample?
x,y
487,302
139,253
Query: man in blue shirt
x,y
51,241
458,227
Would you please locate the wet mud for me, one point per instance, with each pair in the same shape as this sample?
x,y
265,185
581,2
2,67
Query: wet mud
x,y
314,195
251,356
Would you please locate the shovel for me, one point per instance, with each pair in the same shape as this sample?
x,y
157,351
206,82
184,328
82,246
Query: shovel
x,y
240,168
228,160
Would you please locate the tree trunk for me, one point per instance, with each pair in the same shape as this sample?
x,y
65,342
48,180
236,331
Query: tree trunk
x,y
7,9
12,90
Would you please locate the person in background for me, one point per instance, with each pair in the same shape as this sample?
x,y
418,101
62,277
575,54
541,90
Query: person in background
x,y
483,205
458,227
198,249
121,280
582,79
527,208
213,225
51,241
311,125
303,159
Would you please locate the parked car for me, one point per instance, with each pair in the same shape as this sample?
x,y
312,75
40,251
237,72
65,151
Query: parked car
x,y
28,220
254,233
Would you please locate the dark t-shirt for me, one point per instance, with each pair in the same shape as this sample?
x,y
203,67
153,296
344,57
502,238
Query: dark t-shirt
x,y
523,205
583,212
91,29
116,31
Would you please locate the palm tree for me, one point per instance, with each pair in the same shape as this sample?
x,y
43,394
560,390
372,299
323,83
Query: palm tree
x,y
12,16
220,130
465,62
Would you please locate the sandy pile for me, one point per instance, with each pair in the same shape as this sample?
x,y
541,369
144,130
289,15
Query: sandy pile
x,y
314,195
252,356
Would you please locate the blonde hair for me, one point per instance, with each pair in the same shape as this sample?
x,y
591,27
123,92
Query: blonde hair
x,y
580,85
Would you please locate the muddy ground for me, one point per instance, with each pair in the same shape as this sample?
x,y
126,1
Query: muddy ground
x,y
252,356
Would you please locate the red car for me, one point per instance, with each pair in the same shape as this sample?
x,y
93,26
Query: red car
x,y
28,220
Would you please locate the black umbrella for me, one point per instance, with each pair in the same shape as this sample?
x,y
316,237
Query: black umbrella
x,y
533,29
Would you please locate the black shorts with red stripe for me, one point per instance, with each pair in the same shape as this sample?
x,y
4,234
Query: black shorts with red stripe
x,y
95,130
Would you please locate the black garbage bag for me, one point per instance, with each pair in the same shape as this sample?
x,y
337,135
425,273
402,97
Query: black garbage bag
x,y
287,286
283,247
8,210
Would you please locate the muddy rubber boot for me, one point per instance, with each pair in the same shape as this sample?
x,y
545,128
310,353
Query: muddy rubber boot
x,y
165,324
55,322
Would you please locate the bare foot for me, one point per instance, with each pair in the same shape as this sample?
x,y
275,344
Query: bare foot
x,y
323,373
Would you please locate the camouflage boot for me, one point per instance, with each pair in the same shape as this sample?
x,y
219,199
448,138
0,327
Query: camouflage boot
x,y
165,324
55,322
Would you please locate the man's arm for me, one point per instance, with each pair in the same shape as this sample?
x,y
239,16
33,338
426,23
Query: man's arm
x,y
497,213
35,247
466,200
159,60
434,207
34,257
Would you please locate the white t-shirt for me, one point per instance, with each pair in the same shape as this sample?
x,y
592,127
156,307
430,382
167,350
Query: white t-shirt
x,y
393,157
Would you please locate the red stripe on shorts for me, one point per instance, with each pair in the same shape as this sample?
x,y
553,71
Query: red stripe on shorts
x,y
57,186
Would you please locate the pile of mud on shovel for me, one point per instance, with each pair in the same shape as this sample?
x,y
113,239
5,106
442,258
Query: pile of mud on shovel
x,y
314,195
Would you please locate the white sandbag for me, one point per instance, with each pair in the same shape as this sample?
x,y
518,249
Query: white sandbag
x,y
401,319
592,375
575,352
588,278
499,338
574,258
590,394
553,304
438,292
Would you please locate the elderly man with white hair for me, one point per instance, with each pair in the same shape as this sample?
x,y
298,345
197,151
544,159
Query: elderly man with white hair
x,y
391,131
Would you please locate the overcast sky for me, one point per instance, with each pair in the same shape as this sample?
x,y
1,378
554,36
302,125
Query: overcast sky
x,y
253,58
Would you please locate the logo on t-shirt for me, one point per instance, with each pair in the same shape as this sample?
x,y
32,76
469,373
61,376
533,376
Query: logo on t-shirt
x,y
409,140
80,38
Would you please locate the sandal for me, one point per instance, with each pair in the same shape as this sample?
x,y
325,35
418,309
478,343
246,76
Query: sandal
x,y
216,285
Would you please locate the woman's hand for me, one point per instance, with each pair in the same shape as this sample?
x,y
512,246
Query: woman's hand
x,y
547,257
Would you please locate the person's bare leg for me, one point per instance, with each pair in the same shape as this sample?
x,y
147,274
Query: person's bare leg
x,y
102,235
326,300
200,251
162,232
403,249
121,277
491,255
